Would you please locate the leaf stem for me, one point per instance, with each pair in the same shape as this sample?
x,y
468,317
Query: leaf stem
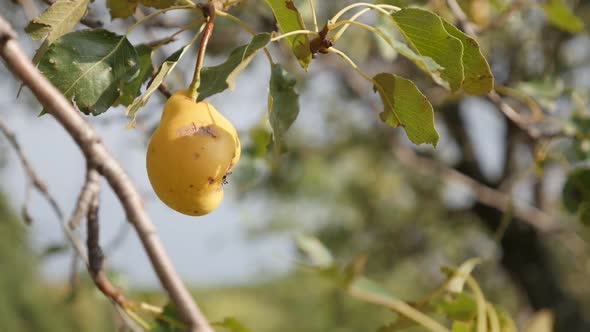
x,y
400,307
356,16
166,40
293,33
209,12
247,28
315,20
363,74
154,14
481,304
380,8
361,25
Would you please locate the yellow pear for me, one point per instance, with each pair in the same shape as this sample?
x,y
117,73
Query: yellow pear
x,y
190,154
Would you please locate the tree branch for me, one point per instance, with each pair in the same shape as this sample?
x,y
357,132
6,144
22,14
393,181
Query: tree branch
x,y
33,179
90,188
99,157
535,217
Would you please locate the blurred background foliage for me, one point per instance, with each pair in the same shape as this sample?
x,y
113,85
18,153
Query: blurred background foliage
x,y
339,178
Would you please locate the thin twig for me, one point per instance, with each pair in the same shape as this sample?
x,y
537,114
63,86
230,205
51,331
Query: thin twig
x,y
89,189
97,154
533,216
31,11
96,257
33,179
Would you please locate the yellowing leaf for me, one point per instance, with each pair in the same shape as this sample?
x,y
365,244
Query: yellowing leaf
x,y
57,20
126,8
404,105
165,68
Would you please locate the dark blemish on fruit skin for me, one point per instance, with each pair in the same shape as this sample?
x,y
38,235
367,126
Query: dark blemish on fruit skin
x,y
196,155
191,186
211,180
195,211
193,129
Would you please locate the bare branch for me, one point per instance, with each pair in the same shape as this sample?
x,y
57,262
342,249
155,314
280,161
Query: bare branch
x,y
31,11
33,179
96,257
97,154
89,189
532,132
533,216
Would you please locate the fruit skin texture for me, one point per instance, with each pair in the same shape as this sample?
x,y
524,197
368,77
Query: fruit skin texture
x,y
189,155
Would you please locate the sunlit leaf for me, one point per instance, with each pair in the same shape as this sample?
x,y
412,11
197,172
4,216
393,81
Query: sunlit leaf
x,y
130,90
289,19
461,274
314,250
57,20
459,307
424,30
460,326
218,78
169,321
506,322
126,8
560,15
284,102
165,68
404,105
90,66
231,324
542,321
478,78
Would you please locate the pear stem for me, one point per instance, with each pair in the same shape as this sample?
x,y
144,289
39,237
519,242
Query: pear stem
x,y
209,12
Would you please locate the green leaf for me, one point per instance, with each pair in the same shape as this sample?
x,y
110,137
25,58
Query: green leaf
x,y
584,213
126,8
576,192
232,325
425,31
425,63
315,251
169,321
218,78
57,20
164,69
460,307
289,19
284,102
559,14
90,66
131,89
478,78
459,326
404,105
